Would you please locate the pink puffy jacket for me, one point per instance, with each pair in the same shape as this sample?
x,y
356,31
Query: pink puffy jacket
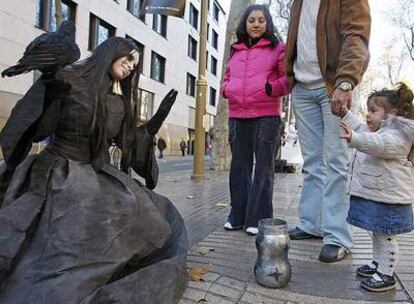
x,y
247,72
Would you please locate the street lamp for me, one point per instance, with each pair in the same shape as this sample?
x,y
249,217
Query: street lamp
x,y
199,141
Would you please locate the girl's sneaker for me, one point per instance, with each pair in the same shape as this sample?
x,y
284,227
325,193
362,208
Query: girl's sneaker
x,y
379,282
366,270
228,226
252,231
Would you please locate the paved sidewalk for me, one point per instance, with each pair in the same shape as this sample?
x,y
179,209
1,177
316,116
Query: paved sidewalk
x,y
230,256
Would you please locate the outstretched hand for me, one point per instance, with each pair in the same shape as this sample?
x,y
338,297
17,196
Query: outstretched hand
x,y
347,132
154,124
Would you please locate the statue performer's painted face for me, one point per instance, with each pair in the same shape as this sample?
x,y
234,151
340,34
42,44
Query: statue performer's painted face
x,y
122,67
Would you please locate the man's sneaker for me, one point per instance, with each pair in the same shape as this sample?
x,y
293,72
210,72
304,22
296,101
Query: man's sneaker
x,y
228,226
252,231
379,282
366,270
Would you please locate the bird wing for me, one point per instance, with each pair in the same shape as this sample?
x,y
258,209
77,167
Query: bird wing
x,y
50,49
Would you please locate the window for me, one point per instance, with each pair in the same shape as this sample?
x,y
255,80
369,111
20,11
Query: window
x,y
215,39
208,31
141,49
192,48
213,67
213,96
99,31
193,16
206,60
159,24
45,13
191,83
134,7
146,105
157,67
216,12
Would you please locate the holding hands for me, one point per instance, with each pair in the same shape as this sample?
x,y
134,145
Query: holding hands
x,y
340,99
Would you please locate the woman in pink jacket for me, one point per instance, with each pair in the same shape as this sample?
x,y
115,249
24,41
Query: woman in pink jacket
x,y
253,83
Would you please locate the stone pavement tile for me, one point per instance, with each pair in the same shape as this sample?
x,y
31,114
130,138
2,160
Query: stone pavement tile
x,y
309,277
231,282
186,301
234,254
257,294
197,201
194,294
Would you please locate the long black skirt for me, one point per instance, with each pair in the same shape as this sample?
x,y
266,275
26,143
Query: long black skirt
x,y
73,235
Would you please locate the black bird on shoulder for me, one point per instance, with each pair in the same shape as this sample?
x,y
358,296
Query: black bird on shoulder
x,y
48,52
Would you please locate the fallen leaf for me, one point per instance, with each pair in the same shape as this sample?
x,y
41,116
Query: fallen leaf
x,y
197,274
190,196
222,205
203,250
201,301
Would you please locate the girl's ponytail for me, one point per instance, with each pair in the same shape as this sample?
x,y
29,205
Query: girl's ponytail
x,y
405,105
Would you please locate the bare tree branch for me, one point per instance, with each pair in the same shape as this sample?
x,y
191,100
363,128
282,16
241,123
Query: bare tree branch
x,y
410,43
401,16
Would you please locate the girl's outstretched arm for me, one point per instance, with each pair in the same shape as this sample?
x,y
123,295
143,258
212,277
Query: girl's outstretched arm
x,y
391,144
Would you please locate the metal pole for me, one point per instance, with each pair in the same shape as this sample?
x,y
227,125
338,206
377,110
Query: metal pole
x,y
199,141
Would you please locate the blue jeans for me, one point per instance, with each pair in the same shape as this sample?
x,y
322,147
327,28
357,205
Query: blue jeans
x,y
324,204
251,196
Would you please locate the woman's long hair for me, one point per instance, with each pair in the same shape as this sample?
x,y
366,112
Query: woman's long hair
x,y
95,72
241,33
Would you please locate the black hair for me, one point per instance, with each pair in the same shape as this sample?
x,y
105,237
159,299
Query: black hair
x,y
241,33
95,72
400,99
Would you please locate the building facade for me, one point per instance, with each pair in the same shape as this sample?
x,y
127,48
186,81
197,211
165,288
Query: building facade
x,y
169,52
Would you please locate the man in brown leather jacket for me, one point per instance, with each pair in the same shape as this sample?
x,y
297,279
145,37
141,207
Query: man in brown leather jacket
x,y
326,56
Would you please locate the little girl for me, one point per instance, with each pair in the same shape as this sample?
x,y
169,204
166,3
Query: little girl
x,y
382,179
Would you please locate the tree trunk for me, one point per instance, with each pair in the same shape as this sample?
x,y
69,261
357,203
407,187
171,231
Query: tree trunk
x,y
220,153
58,13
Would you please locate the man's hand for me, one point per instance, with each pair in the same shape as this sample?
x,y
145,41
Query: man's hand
x,y
340,98
347,132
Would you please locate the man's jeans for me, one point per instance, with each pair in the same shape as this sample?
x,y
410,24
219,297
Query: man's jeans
x,y
324,203
251,197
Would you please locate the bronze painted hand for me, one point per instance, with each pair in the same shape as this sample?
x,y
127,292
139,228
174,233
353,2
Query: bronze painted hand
x,y
154,124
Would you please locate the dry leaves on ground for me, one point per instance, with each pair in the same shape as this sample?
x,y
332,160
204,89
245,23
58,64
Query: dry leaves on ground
x,y
222,205
196,274
202,250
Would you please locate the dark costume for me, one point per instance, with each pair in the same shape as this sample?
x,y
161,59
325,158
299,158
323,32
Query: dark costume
x,y
72,232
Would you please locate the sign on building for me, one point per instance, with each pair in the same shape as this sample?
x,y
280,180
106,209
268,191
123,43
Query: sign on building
x,y
165,7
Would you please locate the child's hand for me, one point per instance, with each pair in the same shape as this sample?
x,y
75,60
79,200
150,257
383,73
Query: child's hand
x,y
348,132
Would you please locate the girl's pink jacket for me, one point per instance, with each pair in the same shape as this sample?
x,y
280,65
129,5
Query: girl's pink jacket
x,y
247,72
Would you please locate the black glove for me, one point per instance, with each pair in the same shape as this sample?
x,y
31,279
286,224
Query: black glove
x,y
154,124
268,89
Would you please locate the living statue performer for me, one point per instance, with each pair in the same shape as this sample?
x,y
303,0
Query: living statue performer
x,y
74,229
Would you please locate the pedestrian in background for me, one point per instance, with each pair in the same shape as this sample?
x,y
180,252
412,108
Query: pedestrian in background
x,y
183,147
382,179
253,83
326,56
161,145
